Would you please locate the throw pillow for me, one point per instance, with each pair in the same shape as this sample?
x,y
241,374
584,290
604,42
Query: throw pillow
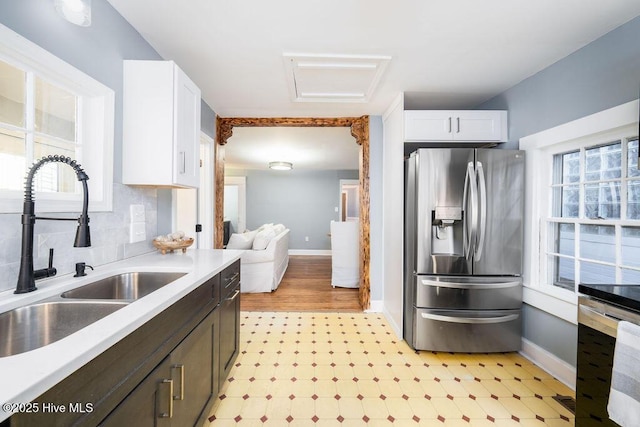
x,y
242,241
265,226
263,238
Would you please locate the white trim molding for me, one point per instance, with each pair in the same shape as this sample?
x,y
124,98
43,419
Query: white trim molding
x,y
607,120
397,328
375,306
557,367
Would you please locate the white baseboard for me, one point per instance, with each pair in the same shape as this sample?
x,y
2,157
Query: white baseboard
x,y
375,306
557,367
310,252
394,326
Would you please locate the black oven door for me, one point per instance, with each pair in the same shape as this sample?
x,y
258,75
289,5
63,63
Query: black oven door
x,y
593,381
597,329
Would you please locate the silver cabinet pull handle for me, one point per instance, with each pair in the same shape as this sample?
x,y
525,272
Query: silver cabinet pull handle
x,y
458,124
183,162
450,125
179,396
169,413
470,320
459,285
235,295
232,278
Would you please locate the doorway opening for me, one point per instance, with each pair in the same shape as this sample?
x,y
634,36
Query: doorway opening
x,y
349,209
359,130
235,206
191,206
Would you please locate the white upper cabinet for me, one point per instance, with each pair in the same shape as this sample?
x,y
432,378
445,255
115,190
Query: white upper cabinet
x,y
161,126
459,126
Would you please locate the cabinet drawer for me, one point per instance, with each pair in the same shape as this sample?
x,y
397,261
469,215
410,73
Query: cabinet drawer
x,y
229,322
479,293
475,331
229,278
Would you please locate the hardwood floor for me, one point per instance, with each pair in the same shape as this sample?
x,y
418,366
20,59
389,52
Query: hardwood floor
x,y
306,286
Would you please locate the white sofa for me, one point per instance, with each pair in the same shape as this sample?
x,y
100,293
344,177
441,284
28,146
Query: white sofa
x,y
265,258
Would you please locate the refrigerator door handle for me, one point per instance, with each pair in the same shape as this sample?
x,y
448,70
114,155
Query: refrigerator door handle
x,y
470,320
479,286
469,204
482,200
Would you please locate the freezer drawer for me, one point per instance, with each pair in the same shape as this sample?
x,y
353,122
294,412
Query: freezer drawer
x,y
476,293
477,331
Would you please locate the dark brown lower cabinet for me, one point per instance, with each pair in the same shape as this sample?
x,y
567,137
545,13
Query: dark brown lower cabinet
x,y
147,404
174,393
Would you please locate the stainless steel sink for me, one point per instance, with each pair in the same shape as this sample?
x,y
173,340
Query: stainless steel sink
x,y
34,326
126,286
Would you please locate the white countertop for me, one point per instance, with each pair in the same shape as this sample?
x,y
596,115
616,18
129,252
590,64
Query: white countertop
x,y
27,375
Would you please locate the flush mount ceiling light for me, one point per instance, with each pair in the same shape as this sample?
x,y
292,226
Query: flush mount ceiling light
x,y
333,78
75,11
281,166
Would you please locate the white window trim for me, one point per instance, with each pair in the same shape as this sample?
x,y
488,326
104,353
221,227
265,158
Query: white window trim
x,y
95,127
540,148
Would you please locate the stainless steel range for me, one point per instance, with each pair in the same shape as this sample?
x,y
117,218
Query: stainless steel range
x,y
463,249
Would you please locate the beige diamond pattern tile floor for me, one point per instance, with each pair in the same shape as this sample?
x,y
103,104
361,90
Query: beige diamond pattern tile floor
x,y
350,369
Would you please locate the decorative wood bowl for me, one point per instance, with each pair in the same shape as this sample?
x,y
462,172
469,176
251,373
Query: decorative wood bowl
x,y
165,247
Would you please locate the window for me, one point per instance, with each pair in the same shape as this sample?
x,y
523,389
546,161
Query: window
x,y
37,119
582,208
48,107
595,211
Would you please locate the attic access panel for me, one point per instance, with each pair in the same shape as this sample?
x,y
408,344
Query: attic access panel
x,y
333,78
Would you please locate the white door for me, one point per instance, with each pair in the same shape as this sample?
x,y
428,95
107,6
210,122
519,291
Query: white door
x,y
193,206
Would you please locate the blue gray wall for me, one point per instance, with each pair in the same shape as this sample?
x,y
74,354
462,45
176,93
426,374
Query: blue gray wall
x,y
303,201
98,51
601,75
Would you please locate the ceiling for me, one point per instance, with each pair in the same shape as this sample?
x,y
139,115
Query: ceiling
x,y
331,148
441,54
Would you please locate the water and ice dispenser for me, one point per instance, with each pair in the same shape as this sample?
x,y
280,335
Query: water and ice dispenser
x,y
446,231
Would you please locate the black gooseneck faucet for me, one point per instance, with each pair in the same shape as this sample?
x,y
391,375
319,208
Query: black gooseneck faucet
x,y
26,277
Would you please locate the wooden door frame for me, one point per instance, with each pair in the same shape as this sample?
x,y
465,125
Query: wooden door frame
x,y
359,130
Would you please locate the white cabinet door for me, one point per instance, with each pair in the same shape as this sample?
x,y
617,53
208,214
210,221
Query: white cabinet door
x,y
428,126
186,166
161,126
455,125
479,125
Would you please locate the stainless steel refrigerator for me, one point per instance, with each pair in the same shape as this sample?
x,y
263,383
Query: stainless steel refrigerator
x,y
463,249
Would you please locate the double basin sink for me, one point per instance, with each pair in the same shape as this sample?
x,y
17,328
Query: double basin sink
x,y
42,323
